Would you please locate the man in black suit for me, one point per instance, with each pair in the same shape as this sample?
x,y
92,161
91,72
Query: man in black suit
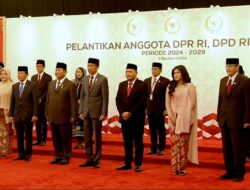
x,y
23,111
157,86
233,114
131,100
41,79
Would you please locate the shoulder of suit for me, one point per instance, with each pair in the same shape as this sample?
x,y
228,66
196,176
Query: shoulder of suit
x,y
147,79
164,78
48,75
33,76
224,78
100,76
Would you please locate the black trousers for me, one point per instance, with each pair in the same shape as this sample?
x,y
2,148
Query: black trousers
x,y
24,130
157,131
234,150
93,129
41,128
132,132
248,143
62,140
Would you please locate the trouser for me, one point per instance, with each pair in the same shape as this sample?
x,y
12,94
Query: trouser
x,y
157,130
24,130
93,127
62,140
234,150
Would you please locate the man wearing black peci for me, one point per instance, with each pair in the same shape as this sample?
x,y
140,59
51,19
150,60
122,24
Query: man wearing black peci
x,y
157,86
23,111
233,114
41,79
131,100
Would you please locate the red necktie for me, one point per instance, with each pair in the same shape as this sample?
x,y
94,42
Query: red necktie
x,y
229,86
129,88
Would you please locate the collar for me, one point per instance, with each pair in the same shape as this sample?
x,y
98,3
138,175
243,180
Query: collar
x,y
61,81
40,74
232,78
157,78
24,82
133,82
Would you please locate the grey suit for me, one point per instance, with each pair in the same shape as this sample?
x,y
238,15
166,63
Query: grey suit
x,y
93,104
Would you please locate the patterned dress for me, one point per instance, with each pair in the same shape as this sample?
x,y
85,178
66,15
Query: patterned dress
x,y
6,132
182,108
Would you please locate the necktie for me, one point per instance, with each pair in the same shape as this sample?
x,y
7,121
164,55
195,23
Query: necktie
x,y
39,78
58,84
129,88
229,86
91,82
153,85
21,89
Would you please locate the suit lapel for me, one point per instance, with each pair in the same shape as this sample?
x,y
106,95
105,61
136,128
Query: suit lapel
x,y
24,89
133,88
235,84
94,82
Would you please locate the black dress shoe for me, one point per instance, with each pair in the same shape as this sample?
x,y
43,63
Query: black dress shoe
x,y
160,152
138,169
124,167
36,143
19,158
97,165
227,176
238,179
42,143
87,164
27,158
63,162
151,152
55,161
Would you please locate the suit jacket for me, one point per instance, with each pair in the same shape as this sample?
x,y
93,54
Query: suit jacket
x,y
235,107
157,105
42,87
94,101
23,108
61,103
135,103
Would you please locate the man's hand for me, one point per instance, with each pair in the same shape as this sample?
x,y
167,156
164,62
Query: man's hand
x,y
81,116
126,115
246,125
34,119
102,118
11,119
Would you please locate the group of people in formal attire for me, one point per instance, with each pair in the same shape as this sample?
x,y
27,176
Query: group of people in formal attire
x,y
77,109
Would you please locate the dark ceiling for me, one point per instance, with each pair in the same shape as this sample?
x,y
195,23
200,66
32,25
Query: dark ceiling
x,y
15,8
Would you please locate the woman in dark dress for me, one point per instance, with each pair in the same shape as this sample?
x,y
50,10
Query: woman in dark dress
x,y
78,126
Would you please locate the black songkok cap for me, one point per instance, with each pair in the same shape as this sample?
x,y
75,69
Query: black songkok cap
x,y
155,64
40,61
94,61
61,65
23,68
232,61
131,66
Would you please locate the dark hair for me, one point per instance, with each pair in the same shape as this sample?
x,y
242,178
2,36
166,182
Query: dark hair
x,y
241,71
83,73
185,78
